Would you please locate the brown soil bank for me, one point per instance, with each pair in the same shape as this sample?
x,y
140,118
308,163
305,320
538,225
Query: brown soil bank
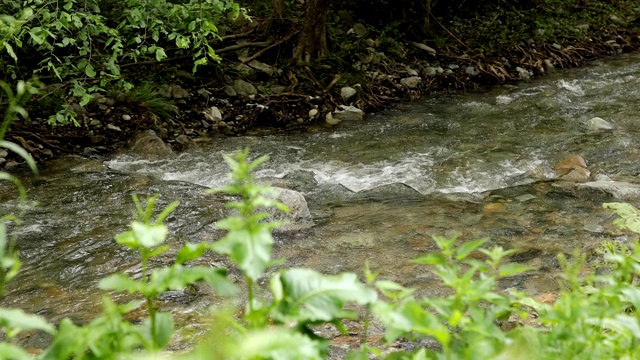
x,y
376,53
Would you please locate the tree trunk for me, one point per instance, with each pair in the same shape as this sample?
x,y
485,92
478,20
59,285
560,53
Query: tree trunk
x,y
312,42
278,8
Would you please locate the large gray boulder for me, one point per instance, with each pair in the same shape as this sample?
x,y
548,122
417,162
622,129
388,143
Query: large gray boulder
x,y
299,216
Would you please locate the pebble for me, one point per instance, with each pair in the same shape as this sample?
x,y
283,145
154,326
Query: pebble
x,y
113,127
126,117
3,153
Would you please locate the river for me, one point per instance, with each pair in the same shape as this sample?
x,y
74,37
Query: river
x,y
469,164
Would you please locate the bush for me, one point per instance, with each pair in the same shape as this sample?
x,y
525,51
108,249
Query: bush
x,y
82,44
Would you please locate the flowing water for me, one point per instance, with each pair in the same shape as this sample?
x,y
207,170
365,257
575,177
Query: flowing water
x,y
470,164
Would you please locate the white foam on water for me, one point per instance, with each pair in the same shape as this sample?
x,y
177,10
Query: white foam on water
x,y
503,100
412,171
573,86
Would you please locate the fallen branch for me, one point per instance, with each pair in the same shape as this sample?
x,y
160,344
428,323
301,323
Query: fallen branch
x,y
242,46
259,53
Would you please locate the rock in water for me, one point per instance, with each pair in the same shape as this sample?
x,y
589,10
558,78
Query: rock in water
x,y
573,168
298,217
348,113
599,124
148,145
617,189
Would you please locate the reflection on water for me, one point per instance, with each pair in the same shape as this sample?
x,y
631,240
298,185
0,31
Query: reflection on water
x,y
474,164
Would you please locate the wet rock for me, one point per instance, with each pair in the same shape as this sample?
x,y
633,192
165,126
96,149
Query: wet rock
x,y
411,82
230,91
598,124
348,113
347,92
569,164
331,120
148,144
493,208
577,175
244,88
617,189
183,142
89,151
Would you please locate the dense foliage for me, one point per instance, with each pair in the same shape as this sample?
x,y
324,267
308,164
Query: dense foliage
x,y
83,45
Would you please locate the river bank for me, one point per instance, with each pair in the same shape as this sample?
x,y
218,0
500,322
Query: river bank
x,y
372,66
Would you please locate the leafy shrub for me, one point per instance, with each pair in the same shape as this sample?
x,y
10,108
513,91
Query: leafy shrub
x,y
83,44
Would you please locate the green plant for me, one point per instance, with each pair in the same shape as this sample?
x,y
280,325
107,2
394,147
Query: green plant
x,y
82,44
145,97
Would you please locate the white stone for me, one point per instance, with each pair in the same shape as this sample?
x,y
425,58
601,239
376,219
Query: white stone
x,y
313,113
126,117
424,47
330,120
411,82
213,114
113,127
348,92
597,124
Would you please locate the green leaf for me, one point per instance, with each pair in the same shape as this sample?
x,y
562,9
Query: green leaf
x,y
177,277
10,51
164,329
22,191
191,251
120,282
21,152
127,239
467,248
279,343
311,296
160,54
512,269
13,352
149,235
18,320
629,216
430,259
249,248
393,290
